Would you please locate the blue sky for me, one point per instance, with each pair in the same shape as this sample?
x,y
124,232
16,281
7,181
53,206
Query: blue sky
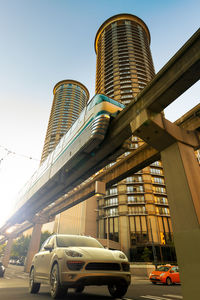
x,y
45,41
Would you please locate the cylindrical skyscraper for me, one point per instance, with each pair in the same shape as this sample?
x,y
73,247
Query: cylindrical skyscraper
x,y
124,67
70,97
124,62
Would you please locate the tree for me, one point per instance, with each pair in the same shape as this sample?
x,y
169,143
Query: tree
x,y
20,246
2,247
146,254
44,236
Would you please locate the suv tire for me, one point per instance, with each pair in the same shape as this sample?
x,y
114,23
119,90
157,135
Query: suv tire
x,y
117,290
33,286
56,289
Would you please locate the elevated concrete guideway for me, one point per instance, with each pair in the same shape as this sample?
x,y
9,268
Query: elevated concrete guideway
x,y
180,73
132,163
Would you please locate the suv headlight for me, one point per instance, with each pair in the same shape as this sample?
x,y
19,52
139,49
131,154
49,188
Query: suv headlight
x,y
122,256
73,253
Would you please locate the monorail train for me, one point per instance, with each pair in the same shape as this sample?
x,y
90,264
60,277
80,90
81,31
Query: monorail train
x,y
82,138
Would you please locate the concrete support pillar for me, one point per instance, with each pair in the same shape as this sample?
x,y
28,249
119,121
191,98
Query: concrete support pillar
x,y
7,251
182,175
33,246
124,238
90,217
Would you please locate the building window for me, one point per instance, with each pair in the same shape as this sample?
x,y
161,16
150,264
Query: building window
x,y
158,180
139,238
135,199
156,163
134,179
156,171
162,211
137,210
111,211
111,225
161,200
160,190
134,188
111,191
111,201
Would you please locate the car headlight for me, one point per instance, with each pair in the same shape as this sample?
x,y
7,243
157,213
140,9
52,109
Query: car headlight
x,y
162,274
122,256
73,253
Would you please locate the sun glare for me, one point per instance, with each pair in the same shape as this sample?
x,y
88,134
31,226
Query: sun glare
x,y
14,173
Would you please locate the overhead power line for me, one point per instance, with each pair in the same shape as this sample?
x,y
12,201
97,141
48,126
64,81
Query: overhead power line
x,y
15,153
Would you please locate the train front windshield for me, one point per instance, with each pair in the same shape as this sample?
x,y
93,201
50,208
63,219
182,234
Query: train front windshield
x,y
100,98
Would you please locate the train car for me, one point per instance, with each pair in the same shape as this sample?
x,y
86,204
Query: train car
x,y
85,135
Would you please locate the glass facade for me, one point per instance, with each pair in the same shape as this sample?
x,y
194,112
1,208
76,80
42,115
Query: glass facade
x,y
124,68
70,97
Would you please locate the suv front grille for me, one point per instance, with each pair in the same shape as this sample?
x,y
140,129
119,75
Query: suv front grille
x,y
103,266
126,267
75,265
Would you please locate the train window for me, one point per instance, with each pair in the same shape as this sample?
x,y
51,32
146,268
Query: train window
x,y
100,98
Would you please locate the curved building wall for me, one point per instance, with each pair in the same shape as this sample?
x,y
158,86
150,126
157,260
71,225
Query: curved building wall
x,y
138,203
124,62
70,97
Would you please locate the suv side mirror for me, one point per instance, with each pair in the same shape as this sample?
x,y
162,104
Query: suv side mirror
x,y
48,248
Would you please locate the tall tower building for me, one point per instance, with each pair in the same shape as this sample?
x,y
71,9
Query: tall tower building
x,y
70,97
124,62
134,212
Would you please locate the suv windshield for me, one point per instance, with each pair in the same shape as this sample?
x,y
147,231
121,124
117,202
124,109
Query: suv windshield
x,y
77,241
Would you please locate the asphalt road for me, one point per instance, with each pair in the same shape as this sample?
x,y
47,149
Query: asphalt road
x,y
14,286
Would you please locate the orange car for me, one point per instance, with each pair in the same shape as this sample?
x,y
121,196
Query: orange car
x,y
165,274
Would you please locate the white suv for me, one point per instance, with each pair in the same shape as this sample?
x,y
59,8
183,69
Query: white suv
x,y
75,261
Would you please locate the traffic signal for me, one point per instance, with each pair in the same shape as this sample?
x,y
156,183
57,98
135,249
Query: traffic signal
x,y
162,238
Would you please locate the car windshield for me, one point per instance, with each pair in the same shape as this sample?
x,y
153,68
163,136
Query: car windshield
x,y
77,241
163,269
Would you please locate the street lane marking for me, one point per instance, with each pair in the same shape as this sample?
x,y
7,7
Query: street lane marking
x,y
123,299
174,296
155,297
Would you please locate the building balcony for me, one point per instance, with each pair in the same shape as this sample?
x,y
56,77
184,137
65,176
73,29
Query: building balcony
x,y
136,202
162,203
110,195
135,192
163,214
109,205
143,213
158,183
134,182
160,193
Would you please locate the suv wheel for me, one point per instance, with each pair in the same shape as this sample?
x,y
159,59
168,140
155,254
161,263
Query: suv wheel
x,y
56,289
117,290
33,286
